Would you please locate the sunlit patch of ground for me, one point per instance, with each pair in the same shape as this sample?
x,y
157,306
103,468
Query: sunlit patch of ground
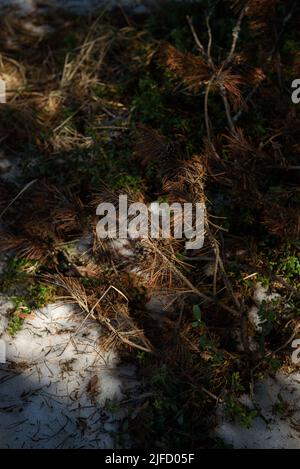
x,y
277,426
58,388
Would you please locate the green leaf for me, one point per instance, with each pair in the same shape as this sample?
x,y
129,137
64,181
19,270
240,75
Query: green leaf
x,y
197,312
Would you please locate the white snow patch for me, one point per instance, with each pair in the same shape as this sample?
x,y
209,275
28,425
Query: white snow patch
x,y
5,306
260,294
122,247
56,384
255,319
279,424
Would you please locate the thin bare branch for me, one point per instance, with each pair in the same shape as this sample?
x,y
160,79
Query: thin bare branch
x,y
196,37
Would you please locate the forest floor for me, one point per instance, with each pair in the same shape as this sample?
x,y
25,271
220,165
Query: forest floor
x,y
142,342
